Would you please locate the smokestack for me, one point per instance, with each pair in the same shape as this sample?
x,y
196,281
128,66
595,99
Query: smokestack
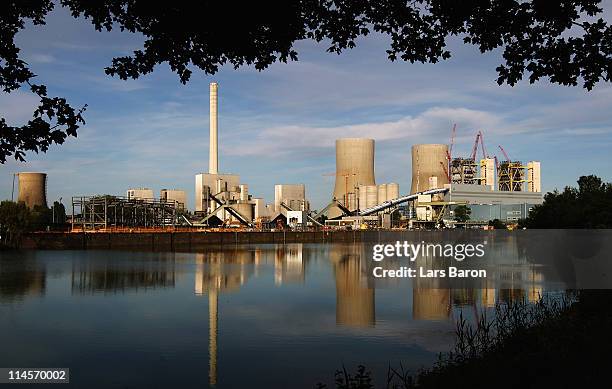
x,y
213,155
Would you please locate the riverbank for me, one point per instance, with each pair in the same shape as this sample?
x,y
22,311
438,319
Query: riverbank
x,y
187,241
526,346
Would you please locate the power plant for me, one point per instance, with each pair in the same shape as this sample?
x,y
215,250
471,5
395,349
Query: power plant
x,y
32,189
505,189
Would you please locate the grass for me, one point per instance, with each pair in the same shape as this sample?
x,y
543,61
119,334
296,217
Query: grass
x,y
556,342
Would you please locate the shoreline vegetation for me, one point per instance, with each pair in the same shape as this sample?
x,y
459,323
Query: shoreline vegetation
x,y
556,342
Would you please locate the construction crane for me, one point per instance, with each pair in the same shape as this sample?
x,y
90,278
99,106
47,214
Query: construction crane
x,y
449,153
505,154
475,147
446,170
346,177
485,155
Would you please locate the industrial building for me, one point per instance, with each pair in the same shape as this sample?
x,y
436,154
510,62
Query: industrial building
x,y
487,204
217,195
32,189
505,190
139,194
176,196
292,195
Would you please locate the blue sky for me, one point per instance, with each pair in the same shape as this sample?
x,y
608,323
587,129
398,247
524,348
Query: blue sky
x,y
279,125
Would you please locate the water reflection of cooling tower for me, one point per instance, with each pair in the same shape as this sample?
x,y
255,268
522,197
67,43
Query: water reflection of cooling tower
x,y
354,299
430,304
428,161
354,167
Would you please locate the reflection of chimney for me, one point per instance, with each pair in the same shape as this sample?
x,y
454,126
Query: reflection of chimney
x,y
212,337
213,162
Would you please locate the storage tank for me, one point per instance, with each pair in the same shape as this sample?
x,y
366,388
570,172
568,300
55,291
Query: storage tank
x,y
382,193
371,195
428,160
354,167
244,192
392,191
32,189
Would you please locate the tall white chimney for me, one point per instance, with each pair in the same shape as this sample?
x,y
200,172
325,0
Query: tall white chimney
x,y
213,154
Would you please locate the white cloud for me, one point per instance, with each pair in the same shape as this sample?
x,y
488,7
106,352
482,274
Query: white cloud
x,y
432,124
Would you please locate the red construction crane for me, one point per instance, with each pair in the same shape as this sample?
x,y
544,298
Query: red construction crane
x,y
484,150
504,151
445,169
475,147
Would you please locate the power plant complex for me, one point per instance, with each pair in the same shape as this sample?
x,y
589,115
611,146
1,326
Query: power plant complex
x,y
492,188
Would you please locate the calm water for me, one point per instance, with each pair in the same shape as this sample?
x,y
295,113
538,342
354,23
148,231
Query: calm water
x,y
239,316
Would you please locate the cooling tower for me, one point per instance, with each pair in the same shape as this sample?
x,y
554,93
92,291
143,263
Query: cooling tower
x,y
392,191
33,189
428,161
213,155
354,167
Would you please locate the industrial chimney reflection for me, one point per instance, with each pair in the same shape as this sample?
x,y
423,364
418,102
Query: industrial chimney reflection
x,y
354,297
219,272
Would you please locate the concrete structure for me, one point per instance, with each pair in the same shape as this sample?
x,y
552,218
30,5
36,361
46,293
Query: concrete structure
x,y
139,194
223,186
178,197
293,195
213,156
354,167
262,210
371,196
246,209
382,193
244,192
534,180
487,172
489,204
428,160
32,189
392,191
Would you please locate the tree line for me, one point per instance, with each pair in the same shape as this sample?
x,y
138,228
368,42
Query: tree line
x,y
17,219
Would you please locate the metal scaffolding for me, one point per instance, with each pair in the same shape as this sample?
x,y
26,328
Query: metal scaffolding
x,y
92,213
463,171
511,176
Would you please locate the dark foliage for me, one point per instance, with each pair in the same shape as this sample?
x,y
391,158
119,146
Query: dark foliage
x,y
588,206
497,224
462,213
16,219
554,343
564,41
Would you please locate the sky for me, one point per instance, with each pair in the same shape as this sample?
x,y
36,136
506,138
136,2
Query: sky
x,y
279,126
